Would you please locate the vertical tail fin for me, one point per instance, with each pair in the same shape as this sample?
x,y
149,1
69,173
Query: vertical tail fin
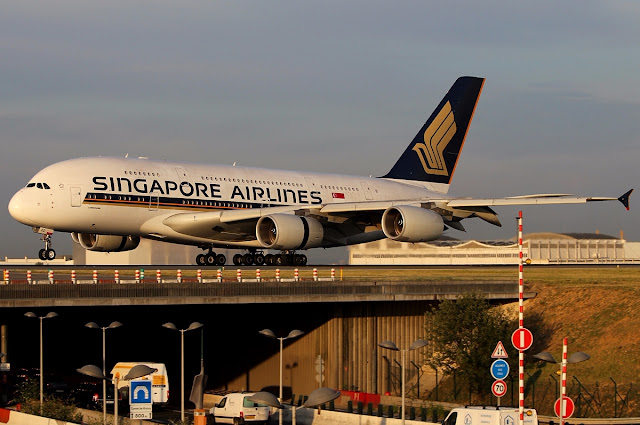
x,y
433,154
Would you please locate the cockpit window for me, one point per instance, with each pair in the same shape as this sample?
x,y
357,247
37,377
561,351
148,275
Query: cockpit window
x,y
39,185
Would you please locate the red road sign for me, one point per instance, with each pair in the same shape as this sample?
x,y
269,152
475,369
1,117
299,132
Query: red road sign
x,y
499,352
499,388
569,407
522,339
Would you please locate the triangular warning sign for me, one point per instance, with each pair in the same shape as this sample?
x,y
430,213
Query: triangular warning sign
x,y
499,352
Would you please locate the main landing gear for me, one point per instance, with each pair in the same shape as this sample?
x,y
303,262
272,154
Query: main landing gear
x,y
286,258
252,257
47,253
211,259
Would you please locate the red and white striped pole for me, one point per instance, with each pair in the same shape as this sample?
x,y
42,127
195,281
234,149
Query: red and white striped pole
x,y
6,277
73,277
51,280
258,278
239,275
116,276
179,276
199,276
137,276
315,274
333,274
219,275
520,323
29,277
296,276
158,276
277,275
95,276
563,380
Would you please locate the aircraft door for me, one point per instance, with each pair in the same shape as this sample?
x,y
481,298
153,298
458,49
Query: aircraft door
x,y
367,191
76,196
154,200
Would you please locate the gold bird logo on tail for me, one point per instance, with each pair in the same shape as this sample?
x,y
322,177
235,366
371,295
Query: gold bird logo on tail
x,y
436,138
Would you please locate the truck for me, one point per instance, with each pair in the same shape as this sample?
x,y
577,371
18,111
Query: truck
x,y
489,415
159,380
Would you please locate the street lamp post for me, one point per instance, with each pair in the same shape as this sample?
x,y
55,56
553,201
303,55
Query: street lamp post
x,y
113,325
137,371
48,316
293,334
418,343
576,357
192,326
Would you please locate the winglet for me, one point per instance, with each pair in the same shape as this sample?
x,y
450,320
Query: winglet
x,y
625,199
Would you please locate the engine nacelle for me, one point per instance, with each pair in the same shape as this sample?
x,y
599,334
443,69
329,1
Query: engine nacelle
x,y
106,243
288,231
406,223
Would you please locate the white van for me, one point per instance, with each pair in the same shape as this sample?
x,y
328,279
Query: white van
x,y
489,415
159,380
234,408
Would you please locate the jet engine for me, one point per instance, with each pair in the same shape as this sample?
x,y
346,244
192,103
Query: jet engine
x,y
289,232
106,243
406,223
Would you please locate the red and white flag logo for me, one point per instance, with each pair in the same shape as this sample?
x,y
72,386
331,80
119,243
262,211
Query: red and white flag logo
x,y
337,195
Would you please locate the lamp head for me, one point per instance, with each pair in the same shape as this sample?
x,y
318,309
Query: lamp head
x,y
113,325
545,356
578,357
294,333
50,315
388,345
92,325
321,396
30,314
138,371
418,343
170,325
92,370
264,397
268,332
194,325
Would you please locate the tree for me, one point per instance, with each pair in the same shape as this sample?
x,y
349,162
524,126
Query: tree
x,y
463,334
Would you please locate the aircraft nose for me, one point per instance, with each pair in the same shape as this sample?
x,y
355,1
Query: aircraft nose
x,y
18,210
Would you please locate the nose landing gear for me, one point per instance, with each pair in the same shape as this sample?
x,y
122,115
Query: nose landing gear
x,y
47,253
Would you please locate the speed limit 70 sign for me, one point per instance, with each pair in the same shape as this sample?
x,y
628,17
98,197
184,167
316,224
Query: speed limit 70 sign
x,y
499,388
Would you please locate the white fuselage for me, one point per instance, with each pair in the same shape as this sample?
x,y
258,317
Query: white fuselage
x,y
123,196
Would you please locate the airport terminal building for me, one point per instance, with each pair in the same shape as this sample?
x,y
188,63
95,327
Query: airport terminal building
x,y
540,248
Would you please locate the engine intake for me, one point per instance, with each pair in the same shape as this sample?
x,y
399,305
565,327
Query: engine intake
x,y
411,224
106,243
288,231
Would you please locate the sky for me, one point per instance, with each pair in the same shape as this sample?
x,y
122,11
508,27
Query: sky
x,y
331,86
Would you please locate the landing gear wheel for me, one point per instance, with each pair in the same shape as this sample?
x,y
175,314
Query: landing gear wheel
x,y
238,260
201,260
279,260
50,254
247,259
210,259
41,254
270,260
259,259
221,259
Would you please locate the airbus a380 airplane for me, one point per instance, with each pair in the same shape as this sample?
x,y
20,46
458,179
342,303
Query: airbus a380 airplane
x,y
108,204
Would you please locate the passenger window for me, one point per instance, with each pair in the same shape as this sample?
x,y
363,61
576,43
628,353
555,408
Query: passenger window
x,y
31,185
46,186
222,402
39,185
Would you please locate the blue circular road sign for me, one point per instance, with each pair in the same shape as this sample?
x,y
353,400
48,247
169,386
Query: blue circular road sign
x,y
499,369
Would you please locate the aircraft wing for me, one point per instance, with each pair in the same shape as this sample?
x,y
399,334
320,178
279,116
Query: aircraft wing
x,y
354,217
